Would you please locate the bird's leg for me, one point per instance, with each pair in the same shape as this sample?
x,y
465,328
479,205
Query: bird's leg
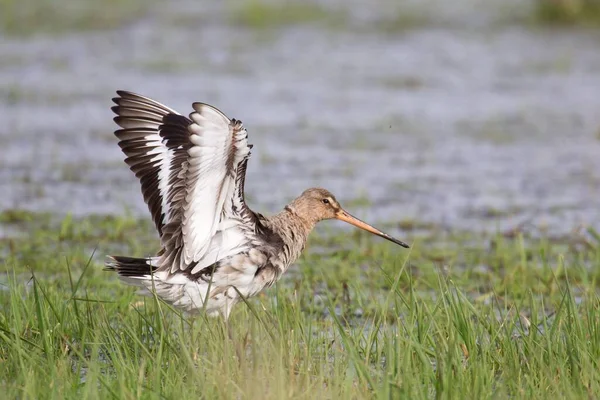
x,y
230,335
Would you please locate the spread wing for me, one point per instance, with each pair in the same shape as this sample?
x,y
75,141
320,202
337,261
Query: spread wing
x,y
192,173
155,140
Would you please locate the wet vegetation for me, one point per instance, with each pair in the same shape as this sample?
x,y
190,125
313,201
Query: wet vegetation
x,y
29,17
568,12
506,315
262,14
460,315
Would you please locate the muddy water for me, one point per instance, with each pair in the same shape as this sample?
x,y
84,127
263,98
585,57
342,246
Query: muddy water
x,y
456,121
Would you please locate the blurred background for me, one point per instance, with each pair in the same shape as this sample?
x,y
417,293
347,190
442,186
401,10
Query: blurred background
x,y
468,114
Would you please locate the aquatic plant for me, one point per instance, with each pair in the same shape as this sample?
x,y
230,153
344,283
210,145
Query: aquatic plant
x,y
568,12
462,315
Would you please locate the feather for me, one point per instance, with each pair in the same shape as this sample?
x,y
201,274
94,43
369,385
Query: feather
x,y
151,138
192,172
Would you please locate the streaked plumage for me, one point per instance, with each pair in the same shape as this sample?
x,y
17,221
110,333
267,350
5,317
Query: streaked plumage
x,y
192,172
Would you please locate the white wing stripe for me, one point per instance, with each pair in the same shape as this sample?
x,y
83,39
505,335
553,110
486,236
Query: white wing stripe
x,y
208,180
192,174
149,138
163,183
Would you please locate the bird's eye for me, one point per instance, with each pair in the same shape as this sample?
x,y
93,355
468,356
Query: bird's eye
x,y
325,201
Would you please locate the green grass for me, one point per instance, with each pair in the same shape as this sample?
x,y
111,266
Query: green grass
x,y
274,14
568,12
28,17
263,14
460,315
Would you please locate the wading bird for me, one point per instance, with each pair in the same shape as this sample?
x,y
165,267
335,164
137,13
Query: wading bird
x,y
214,249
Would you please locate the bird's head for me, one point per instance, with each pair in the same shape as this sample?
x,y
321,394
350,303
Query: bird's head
x,y
317,204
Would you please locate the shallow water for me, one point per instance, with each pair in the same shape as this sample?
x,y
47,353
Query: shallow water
x,y
458,121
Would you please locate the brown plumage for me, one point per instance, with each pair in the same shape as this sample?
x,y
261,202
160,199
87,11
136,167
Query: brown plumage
x,y
213,247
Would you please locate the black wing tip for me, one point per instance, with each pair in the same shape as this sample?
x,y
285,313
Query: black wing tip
x,y
125,93
122,94
117,120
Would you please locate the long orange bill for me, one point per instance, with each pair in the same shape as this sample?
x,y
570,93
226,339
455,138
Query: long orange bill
x,y
346,217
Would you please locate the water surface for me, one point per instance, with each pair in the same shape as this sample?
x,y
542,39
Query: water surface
x,y
455,120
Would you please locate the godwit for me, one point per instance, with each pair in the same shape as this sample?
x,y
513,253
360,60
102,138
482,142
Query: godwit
x,y
213,247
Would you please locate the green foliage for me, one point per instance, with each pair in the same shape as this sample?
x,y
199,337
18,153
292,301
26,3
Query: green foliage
x,y
260,14
27,17
456,316
568,12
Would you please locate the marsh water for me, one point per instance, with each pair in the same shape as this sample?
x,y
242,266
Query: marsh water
x,y
460,117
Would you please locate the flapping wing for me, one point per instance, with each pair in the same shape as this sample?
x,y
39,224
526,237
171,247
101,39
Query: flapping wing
x,y
155,140
192,172
214,180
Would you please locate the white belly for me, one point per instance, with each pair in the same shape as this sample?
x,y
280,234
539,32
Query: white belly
x,y
217,294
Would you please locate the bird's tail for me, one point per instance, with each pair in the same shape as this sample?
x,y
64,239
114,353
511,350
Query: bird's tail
x,y
130,268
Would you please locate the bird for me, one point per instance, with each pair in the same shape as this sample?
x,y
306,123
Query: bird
x,y
214,250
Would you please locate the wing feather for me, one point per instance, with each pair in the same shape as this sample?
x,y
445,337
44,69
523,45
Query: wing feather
x,y
153,138
210,230
192,171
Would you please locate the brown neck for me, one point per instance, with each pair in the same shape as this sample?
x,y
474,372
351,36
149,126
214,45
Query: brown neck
x,y
293,230
291,212
302,210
